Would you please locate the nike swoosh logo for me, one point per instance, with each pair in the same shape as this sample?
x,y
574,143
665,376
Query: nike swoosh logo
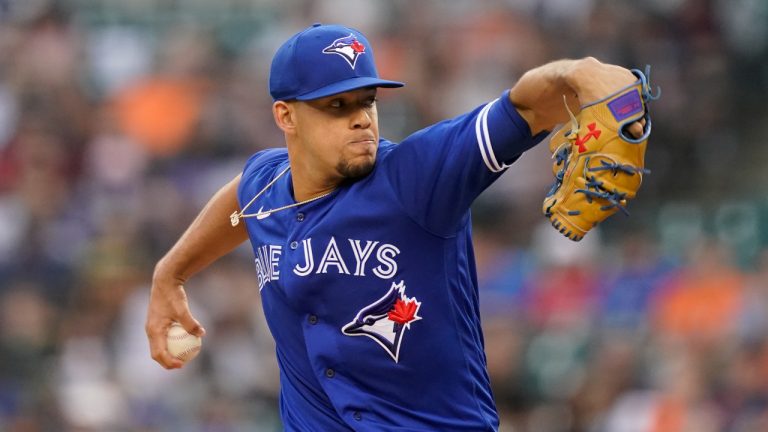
x,y
260,215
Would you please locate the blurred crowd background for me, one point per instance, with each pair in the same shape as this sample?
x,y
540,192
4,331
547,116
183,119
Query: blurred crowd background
x,y
119,119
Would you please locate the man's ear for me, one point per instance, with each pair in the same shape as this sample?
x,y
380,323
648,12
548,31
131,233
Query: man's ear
x,y
285,116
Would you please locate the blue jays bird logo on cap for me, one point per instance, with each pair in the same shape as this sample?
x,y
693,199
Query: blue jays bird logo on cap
x,y
386,320
347,47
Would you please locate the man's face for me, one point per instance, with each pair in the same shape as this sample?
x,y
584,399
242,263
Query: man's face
x,y
341,132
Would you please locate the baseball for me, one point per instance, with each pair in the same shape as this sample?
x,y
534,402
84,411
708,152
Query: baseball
x,y
182,345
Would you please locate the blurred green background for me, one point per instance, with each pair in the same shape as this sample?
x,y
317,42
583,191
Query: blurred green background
x,y
118,119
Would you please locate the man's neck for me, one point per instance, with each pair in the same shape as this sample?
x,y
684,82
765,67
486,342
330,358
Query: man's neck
x,y
308,183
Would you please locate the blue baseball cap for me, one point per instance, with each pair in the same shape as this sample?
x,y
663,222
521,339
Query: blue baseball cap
x,y
323,60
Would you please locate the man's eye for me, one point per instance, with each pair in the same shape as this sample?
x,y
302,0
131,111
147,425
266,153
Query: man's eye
x,y
370,102
336,103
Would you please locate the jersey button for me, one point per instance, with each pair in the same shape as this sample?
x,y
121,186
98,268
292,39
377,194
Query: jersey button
x,y
294,244
300,217
330,373
312,319
357,416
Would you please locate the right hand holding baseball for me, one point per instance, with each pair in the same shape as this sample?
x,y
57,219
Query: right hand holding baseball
x,y
168,304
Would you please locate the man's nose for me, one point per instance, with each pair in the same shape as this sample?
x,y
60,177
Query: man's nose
x,y
361,119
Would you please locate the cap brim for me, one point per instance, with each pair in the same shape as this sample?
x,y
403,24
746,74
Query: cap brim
x,y
348,85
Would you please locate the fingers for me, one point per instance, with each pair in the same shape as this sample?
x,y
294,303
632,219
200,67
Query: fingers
x,y
191,325
157,333
636,129
167,306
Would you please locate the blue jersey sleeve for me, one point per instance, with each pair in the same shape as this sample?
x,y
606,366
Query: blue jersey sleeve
x,y
438,171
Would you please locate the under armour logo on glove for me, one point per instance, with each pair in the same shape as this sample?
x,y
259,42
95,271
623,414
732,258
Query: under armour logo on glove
x,y
593,132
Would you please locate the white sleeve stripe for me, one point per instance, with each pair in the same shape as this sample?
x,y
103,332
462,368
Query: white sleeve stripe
x,y
483,152
491,154
487,139
484,140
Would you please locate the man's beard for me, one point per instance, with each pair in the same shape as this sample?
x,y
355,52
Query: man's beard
x,y
351,172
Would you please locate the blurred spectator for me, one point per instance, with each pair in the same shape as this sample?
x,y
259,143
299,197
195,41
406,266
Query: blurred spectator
x,y
631,284
703,302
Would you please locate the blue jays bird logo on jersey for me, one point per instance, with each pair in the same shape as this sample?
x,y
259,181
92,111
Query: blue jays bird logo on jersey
x,y
347,47
386,320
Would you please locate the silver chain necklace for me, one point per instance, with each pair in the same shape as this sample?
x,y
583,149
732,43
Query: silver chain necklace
x,y
235,217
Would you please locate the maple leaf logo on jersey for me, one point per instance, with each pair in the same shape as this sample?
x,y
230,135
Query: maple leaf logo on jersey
x,y
347,47
386,320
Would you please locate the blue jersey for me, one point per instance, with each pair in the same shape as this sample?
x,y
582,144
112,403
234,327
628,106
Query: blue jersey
x,y
370,292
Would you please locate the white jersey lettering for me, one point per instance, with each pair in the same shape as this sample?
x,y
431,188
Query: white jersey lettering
x,y
267,262
332,256
362,255
309,259
274,259
386,255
